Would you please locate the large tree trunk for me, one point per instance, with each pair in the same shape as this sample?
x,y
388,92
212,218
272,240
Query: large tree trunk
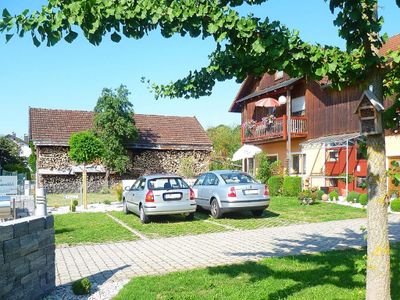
x,y
378,261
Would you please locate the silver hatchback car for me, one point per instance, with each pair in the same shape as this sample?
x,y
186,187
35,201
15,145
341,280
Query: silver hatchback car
x,y
229,191
159,194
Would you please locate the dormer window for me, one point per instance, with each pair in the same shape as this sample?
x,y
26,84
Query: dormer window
x,y
278,75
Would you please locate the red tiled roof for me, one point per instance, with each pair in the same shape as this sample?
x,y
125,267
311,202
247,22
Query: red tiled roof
x,y
54,127
393,43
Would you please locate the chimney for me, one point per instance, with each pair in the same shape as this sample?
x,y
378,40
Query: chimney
x,y
26,138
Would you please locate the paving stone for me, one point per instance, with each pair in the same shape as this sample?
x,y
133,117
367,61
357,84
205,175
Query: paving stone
x,y
6,232
37,224
21,229
144,257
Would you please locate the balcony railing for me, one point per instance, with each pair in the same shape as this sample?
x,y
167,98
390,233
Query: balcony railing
x,y
277,129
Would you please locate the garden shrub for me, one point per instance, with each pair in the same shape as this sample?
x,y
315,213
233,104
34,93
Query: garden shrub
x,y
73,208
320,193
104,190
308,196
363,199
264,168
333,195
118,190
187,167
276,168
275,184
353,197
81,286
395,205
75,202
107,202
291,186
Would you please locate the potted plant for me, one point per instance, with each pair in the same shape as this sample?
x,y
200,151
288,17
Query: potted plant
x,y
307,197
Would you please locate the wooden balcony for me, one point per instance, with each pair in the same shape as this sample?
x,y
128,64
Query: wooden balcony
x,y
276,130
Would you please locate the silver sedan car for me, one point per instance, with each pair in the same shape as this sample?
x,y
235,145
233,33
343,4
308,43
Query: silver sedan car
x,y
230,191
159,194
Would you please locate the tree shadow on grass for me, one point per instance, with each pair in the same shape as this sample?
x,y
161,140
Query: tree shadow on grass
x,y
335,268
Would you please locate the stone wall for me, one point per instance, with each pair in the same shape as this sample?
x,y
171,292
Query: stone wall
x,y
142,163
27,258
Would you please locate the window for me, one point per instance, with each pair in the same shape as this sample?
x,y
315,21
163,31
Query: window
x,y
278,75
272,158
237,178
361,182
211,179
139,184
250,165
298,106
333,182
298,163
333,155
167,184
200,180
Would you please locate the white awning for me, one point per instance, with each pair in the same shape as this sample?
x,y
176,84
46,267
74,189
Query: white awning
x,y
331,141
246,151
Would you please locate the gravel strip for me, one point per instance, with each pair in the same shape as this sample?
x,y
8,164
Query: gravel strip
x,y
105,291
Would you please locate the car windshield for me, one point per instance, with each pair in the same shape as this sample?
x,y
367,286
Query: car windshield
x,y
237,178
170,183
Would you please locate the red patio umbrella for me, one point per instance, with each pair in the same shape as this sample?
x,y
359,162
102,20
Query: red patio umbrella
x,y
267,102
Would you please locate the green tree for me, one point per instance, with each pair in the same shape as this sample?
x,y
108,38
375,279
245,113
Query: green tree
x,y
9,154
247,45
85,148
115,126
226,140
32,158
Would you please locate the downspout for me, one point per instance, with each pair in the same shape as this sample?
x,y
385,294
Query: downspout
x,y
289,130
347,167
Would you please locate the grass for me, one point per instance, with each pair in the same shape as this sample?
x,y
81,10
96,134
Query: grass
x,y
58,199
77,228
286,211
330,275
166,226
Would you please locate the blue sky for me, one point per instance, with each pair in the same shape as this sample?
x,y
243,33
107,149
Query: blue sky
x,y
71,76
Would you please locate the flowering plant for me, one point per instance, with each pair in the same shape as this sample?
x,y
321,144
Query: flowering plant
x,y
268,120
248,126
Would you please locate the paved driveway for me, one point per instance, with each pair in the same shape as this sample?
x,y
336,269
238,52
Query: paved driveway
x,y
121,261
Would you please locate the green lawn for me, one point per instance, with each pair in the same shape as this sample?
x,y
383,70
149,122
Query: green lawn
x,y
58,199
330,275
287,210
76,228
166,226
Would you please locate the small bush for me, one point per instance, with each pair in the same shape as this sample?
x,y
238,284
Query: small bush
x,y
107,202
104,190
73,208
333,195
275,184
395,205
118,190
320,193
291,186
264,168
277,168
75,202
353,197
307,196
82,286
363,199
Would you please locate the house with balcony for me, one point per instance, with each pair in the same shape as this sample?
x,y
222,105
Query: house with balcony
x,y
310,127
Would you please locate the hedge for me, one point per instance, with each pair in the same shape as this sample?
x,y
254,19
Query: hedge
x,y
395,205
275,184
353,197
363,199
291,186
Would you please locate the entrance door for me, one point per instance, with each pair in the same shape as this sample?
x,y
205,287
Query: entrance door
x,y
391,185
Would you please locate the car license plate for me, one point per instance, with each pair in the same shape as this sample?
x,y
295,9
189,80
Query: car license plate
x,y
251,192
172,196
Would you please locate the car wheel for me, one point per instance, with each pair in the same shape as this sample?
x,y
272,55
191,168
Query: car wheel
x,y
216,212
125,207
258,212
190,217
143,217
